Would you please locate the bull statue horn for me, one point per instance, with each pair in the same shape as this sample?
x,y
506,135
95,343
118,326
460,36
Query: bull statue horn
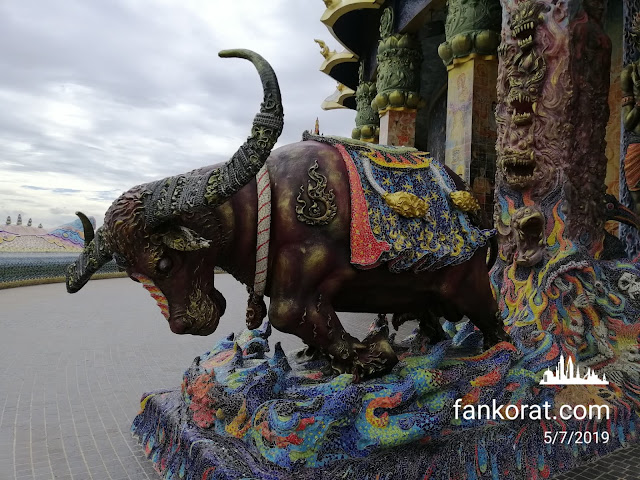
x,y
87,226
267,127
94,255
173,196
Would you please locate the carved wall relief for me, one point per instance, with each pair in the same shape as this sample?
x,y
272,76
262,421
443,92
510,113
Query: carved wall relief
x,y
554,286
630,56
527,227
524,74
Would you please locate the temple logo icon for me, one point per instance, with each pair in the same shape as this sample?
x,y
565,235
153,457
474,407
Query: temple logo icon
x,y
568,374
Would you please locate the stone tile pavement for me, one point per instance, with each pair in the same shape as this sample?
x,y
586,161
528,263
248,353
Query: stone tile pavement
x,y
623,464
73,368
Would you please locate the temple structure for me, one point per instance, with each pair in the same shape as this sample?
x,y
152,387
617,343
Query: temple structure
x,y
534,103
18,238
425,73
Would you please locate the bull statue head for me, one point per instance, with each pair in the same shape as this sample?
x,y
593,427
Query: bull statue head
x,y
150,230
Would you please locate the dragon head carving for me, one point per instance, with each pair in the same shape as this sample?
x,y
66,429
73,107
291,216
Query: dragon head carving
x,y
527,224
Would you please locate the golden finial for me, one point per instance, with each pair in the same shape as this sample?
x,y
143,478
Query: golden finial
x,y
316,129
324,50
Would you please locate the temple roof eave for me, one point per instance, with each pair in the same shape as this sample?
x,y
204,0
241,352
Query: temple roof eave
x,y
337,58
338,8
340,17
343,97
342,67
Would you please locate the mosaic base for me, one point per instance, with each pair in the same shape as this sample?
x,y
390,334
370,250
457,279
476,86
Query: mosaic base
x,y
244,414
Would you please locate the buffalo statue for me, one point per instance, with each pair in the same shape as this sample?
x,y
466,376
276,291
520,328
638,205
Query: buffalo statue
x,y
172,233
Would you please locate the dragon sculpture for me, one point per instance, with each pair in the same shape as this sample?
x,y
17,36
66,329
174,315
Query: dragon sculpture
x,y
170,234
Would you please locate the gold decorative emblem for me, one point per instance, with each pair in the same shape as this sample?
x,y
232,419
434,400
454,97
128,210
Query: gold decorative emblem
x,y
323,207
464,201
407,204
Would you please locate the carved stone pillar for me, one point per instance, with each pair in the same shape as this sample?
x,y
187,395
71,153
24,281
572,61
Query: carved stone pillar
x,y
630,136
469,52
555,280
398,82
367,120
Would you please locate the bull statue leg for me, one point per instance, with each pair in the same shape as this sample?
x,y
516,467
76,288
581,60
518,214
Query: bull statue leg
x,y
428,322
473,297
466,292
318,325
302,304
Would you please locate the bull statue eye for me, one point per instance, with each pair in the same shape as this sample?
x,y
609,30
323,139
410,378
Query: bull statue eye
x,y
164,265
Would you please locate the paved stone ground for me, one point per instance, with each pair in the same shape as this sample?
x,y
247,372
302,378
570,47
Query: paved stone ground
x,y
73,368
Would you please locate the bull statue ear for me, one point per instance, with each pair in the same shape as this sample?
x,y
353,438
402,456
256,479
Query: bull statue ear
x,y
183,239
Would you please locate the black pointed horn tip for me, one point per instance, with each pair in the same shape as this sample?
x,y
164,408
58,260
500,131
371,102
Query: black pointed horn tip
x,y
89,233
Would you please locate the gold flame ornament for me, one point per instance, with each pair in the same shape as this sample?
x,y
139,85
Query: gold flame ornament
x,y
406,204
465,201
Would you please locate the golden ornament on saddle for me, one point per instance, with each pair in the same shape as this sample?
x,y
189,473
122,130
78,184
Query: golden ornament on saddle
x,y
464,201
406,204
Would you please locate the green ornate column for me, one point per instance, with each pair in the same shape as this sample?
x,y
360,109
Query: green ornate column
x,y
398,82
470,54
472,27
367,120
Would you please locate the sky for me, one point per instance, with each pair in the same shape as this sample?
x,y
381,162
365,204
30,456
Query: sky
x,y
96,97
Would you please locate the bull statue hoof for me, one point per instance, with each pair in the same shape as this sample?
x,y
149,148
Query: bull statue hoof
x,y
363,360
492,338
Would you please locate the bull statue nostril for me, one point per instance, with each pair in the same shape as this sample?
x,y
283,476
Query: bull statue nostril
x,y
220,301
177,327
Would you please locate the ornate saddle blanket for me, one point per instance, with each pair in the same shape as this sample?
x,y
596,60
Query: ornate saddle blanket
x,y
442,237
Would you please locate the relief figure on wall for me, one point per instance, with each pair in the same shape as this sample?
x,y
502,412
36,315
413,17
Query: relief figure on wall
x,y
630,83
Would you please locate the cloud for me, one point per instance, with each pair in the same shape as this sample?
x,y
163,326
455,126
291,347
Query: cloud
x,y
65,191
96,97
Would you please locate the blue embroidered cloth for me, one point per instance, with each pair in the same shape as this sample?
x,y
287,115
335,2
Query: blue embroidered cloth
x,y
445,237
